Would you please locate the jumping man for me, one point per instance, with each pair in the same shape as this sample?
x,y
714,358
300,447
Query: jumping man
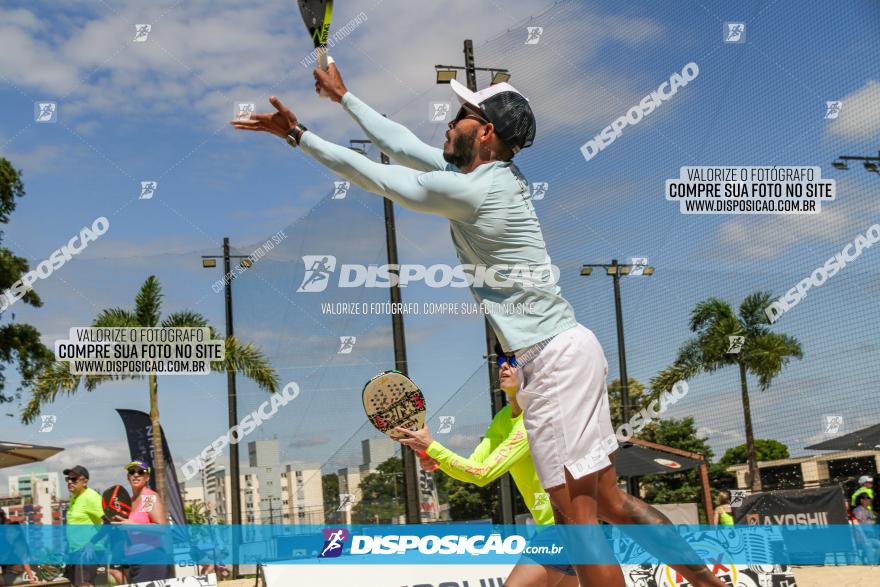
x,y
473,182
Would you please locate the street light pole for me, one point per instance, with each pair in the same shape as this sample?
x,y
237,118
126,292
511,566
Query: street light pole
x,y
232,396
410,468
632,483
469,66
209,261
621,346
408,456
615,270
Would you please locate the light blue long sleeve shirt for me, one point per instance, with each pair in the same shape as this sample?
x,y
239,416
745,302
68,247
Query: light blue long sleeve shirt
x,y
491,218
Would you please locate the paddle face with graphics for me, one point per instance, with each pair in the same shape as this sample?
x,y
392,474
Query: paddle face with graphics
x,y
317,14
116,502
391,399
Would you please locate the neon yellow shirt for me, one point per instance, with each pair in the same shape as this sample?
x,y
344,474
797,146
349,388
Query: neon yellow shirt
x,y
504,448
84,510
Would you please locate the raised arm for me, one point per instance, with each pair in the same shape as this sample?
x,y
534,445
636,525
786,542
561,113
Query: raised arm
x,y
445,193
392,138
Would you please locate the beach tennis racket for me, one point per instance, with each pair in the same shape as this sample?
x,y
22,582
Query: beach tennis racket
x,y
391,399
316,15
116,502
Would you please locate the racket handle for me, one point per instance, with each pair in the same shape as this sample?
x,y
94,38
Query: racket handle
x,y
324,61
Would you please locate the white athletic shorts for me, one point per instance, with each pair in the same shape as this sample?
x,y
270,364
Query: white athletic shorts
x,y
564,397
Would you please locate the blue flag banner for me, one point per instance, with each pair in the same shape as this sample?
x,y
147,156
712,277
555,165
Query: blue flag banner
x,y
438,544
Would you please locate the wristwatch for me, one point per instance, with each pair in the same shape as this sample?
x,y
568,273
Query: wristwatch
x,y
295,134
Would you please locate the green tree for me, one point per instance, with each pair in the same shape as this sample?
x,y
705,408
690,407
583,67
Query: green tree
x,y
19,343
675,487
638,399
765,450
330,490
196,512
763,354
382,497
466,500
56,377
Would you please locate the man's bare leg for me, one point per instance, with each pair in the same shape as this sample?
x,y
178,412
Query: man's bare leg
x,y
618,507
575,503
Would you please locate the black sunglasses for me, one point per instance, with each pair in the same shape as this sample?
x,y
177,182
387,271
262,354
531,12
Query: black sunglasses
x,y
511,360
136,472
72,479
466,112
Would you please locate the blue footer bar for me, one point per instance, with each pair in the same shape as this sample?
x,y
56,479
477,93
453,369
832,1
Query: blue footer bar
x,y
438,544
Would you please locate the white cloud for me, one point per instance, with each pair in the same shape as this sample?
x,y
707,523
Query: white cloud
x,y
23,19
721,437
772,236
104,461
768,237
209,58
39,160
29,61
860,114
460,441
183,249
308,442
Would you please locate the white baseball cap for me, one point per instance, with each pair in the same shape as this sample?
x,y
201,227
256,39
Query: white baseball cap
x,y
865,479
506,108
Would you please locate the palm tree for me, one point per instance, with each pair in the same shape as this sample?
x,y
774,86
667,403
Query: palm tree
x,y
196,513
763,354
56,376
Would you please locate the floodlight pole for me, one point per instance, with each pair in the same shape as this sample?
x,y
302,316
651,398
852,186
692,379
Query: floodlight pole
x,y
410,468
232,409
615,270
408,456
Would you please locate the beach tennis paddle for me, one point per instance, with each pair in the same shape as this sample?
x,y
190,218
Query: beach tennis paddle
x,y
116,502
316,15
391,399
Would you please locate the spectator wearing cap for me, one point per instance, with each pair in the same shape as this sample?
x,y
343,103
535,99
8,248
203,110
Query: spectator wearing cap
x,y
146,510
866,486
85,509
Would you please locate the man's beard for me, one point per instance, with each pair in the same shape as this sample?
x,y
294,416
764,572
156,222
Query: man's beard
x,y
462,150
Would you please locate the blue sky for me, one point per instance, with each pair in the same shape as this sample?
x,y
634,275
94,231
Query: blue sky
x,y
157,111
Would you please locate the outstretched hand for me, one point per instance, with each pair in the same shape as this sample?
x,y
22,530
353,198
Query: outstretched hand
x,y
331,82
418,440
278,123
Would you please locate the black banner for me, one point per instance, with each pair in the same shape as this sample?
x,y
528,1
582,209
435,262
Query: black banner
x,y
140,443
819,506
